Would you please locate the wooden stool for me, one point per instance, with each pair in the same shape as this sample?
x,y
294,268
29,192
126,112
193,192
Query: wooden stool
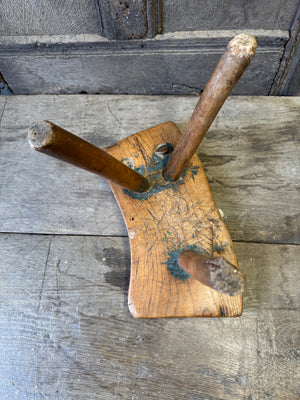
x,y
183,262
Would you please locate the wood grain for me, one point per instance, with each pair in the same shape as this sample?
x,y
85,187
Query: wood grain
x,y
129,19
276,264
175,63
48,17
59,17
205,15
169,219
65,329
253,170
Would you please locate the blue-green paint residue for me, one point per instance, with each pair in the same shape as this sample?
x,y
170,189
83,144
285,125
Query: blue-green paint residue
x,y
194,171
153,170
219,247
172,264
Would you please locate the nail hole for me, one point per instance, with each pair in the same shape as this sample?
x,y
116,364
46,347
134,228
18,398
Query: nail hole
x,y
163,149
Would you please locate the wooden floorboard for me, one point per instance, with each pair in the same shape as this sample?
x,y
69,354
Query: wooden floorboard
x,y
66,333
250,154
65,328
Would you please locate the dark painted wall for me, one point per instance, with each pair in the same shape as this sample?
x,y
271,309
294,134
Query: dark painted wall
x,y
143,46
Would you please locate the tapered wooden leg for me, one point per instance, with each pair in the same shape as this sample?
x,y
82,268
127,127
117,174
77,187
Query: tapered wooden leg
x,y
214,272
59,143
231,66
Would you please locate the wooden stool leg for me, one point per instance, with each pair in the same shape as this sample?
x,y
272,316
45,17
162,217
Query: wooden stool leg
x,y
230,68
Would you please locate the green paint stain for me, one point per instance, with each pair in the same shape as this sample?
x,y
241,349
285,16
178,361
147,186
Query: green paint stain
x,y
194,171
158,183
219,247
172,264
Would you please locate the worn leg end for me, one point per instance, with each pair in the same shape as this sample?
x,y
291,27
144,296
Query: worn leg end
x,y
215,272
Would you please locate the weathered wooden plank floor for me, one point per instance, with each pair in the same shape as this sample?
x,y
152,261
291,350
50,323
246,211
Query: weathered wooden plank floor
x,y
249,154
65,329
